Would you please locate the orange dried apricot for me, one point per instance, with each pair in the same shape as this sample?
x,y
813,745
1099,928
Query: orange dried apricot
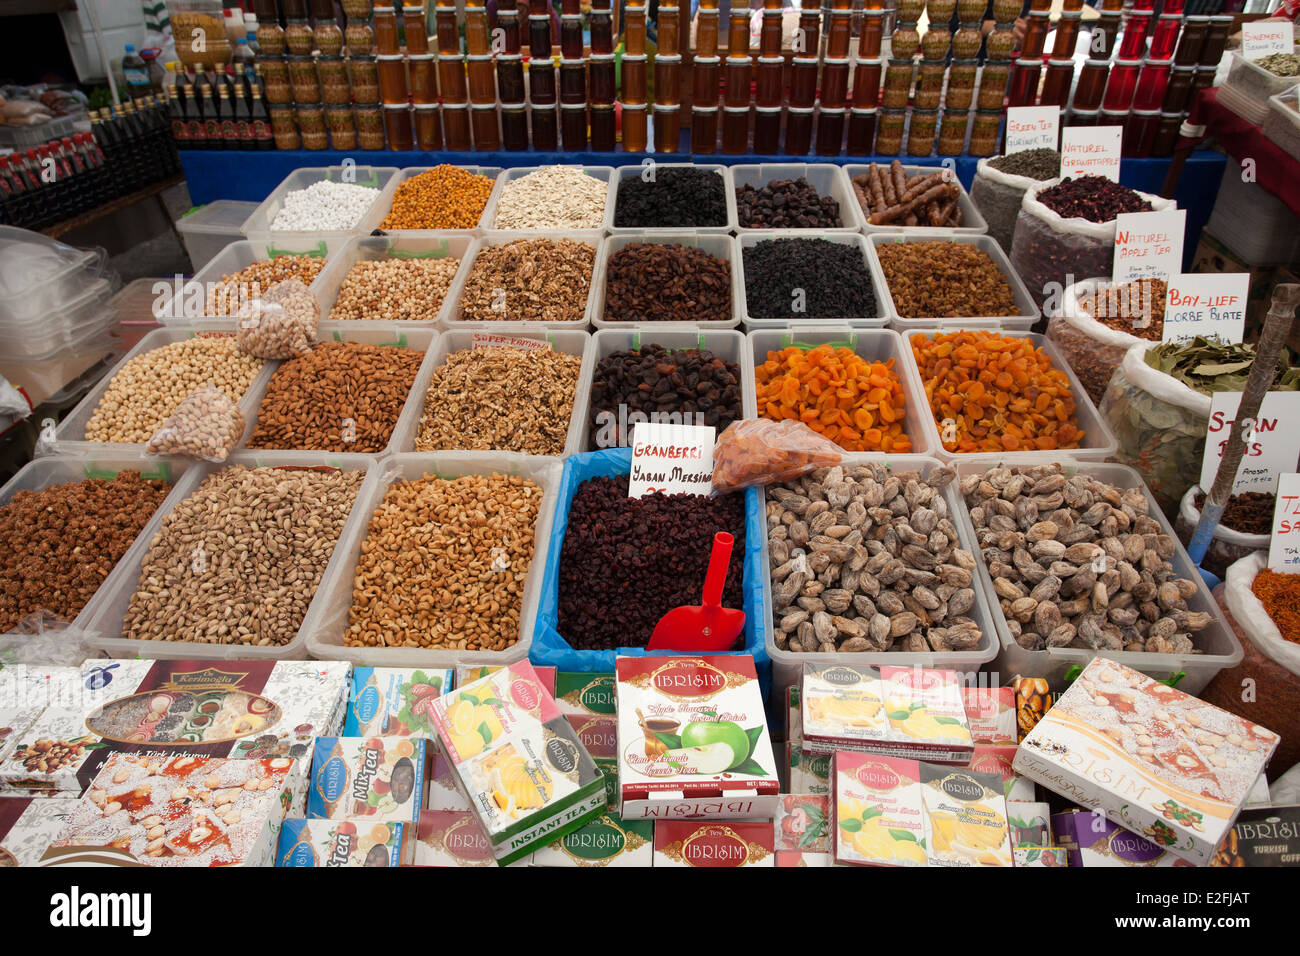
x,y
857,404
1000,392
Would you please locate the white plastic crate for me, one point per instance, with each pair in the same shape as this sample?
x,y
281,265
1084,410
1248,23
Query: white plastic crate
x,y
206,230
973,224
753,237
719,246
1251,87
493,172
827,178
327,619
382,178
1252,222
1282,124
604,173
635,172
411,244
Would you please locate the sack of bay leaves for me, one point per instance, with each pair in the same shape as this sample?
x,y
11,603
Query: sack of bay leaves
x,y
1096,323
1158,407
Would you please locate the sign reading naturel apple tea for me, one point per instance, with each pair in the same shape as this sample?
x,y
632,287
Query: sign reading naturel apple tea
x,y
672,459
692,739
1148,245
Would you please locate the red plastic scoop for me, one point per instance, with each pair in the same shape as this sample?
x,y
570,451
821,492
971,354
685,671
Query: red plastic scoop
x,y
709,627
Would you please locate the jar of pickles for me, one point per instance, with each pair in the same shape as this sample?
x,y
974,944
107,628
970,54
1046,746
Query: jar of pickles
x,y
270,39
971,11
940,11
284,128
370,127
898,84
952,134
935,43
275,80
889,132
333,73
356,9
905,39
920,132
342,126
984,133
303,79
1006,11
966,41
929,85
909,10
993,86
328,38
298,38
311,126
360,38
1000,43
363,74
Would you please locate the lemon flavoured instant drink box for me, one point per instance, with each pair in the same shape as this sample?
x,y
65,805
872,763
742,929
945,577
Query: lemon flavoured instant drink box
x,y
527,775
913,712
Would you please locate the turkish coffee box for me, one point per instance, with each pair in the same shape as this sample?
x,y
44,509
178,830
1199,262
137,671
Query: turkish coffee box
x,y
394,701
1265,836
911,712
693,740
1155,760
238,708
343,843
518,760
186,810
380,779
714,843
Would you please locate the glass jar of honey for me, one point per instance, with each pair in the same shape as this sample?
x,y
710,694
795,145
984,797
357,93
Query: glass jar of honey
x,y
704,129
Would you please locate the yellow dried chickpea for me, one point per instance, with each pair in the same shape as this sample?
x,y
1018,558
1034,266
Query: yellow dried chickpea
x,y
444,197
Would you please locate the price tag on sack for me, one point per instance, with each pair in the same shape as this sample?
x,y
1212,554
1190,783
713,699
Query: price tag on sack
x,y
1212,305
673,459
1266,37
1091,151
1284,547
1149,245
1032,127
1272,440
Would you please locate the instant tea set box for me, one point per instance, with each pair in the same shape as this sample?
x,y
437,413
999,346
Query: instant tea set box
x,y
693,740
1161,763
256,709
518,760
393,701
186,810
913,712
890,811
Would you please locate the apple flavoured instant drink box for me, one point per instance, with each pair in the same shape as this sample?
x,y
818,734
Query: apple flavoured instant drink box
x,y
526,774
692,739
914,712
888,811
1155,760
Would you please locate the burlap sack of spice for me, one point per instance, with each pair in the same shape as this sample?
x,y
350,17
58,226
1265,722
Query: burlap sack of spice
x,y
1159,424
998,195
1094,350
1050,252
1265,686
1227,547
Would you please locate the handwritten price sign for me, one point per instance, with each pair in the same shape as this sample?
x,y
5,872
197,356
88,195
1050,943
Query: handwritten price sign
x,y
1208,304
1272,440
1091,151
672,459
1284,548
1265,37
1149,245
1032,127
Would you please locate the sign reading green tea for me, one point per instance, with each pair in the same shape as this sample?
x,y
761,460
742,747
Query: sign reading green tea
x,y
672,459
1284,548
1091,151
1148,245
1032,127
1272,440
1206,304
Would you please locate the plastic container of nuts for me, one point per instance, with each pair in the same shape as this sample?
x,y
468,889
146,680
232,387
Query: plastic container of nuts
x,y
70,433
454,315
754,237
327,620
604,173
383,179
874,345
973,224
635,172
727,344
1217,646
787,665
191,301
1098,442
396,335
181,474
411,171
718,246
1027,312
108,609
568,341
827,178
404,246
